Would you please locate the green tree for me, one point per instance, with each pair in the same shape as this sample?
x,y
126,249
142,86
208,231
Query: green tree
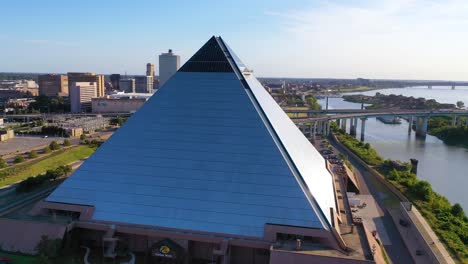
x,y
18,159
457,210
82,137
312,102
59,172
3,163
44,103
54,145
117,121
66,143
460,104
47,149
423,190
393,175
32,154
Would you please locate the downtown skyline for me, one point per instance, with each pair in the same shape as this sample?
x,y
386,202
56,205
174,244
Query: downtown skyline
x,y
305,39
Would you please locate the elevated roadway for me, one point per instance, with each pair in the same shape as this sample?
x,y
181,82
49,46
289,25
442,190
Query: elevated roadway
x,y
361,113
318,121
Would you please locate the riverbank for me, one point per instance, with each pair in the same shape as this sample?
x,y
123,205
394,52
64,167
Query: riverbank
x,y
357,89
451,135
448,221
392,101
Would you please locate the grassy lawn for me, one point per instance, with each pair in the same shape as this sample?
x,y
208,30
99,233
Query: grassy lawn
x,y
19,259
32,168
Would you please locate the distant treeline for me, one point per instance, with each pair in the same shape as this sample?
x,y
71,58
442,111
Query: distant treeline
x,y
18,76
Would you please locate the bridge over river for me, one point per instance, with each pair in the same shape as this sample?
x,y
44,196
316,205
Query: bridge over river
x,y
318,121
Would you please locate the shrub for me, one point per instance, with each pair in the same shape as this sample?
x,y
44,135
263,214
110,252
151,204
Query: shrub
x,y
51,175
393,175
32,154
3,163
18,159
82,137
66,143
422,190
362,150
47,149
54,145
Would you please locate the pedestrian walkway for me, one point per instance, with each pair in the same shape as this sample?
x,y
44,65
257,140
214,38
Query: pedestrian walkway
x,y
372,217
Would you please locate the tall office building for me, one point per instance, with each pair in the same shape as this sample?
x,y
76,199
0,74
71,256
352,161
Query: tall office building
x,y
127,85
80,96
144,84
115,79
74,77
53,85
150,69
169,63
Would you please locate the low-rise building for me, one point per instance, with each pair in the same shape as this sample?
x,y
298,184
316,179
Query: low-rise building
x,y
74,127
122,104
19,102
6,134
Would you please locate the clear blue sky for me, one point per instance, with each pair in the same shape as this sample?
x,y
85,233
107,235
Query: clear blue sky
x,y
411,39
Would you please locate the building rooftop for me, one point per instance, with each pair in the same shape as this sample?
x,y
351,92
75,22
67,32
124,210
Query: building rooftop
x,y
129,95
211,151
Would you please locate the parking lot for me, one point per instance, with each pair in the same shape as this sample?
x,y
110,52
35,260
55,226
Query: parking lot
x,y
21,144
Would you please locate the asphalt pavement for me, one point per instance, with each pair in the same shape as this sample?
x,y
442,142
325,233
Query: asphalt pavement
x,y
375,214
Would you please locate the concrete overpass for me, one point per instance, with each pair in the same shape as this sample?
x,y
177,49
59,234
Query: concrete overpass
x,y
318,121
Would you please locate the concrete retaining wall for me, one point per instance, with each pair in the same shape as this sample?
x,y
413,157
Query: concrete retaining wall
x,y
374,173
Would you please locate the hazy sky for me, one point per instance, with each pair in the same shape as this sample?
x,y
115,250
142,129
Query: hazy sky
x,y
398,39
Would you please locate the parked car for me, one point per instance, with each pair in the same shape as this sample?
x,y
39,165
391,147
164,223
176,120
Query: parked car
x,y
326,152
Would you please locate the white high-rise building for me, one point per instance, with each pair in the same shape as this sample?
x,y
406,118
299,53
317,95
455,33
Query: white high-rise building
x,y
169,63
80,96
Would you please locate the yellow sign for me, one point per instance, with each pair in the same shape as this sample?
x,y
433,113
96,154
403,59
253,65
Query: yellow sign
x,y
164,250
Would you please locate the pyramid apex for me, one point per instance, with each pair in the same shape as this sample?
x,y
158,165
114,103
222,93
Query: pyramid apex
x,y
209,58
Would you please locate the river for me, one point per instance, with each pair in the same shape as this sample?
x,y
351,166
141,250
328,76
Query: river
x,y
445,167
